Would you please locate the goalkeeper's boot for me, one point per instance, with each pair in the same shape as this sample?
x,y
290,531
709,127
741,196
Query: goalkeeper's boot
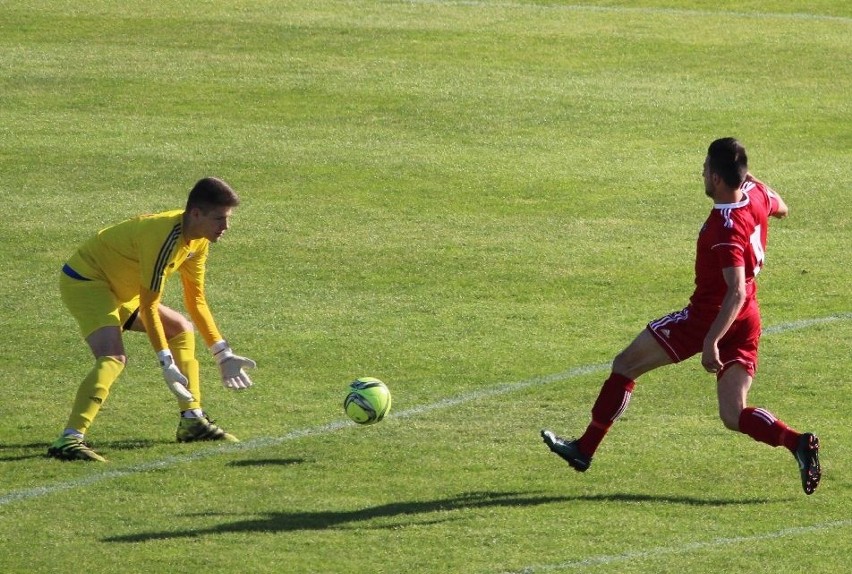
x,y
568,450
202,428
73,448
807,455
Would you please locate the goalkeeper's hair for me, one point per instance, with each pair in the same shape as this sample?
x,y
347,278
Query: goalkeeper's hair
x,y
211,192
728,159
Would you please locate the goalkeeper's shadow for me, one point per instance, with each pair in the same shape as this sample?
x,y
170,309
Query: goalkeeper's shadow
x,y
34,450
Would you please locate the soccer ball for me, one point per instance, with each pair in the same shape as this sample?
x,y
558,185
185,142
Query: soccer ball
x,y
367,401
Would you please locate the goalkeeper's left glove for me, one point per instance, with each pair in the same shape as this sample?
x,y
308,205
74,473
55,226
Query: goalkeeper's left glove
x,y
231,366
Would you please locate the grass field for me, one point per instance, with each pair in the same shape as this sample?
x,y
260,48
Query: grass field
x,y
479,203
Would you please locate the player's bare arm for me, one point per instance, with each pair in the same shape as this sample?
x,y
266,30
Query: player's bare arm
x,y
782,210
735,296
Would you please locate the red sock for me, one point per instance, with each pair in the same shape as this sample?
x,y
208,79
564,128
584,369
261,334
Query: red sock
x,y
761,425
611,403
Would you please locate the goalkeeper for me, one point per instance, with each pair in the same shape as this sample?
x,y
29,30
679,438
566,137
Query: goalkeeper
x,y
114,282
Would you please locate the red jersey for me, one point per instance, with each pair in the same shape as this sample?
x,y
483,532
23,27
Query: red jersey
x,y
734,235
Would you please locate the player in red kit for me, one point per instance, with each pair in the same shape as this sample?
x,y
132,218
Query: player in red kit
x,y
722,321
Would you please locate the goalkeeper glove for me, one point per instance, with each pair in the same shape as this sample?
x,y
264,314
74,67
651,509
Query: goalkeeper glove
x,y
231,366
174,378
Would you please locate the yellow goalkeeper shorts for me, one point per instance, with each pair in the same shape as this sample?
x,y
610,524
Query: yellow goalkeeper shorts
x,y
93,304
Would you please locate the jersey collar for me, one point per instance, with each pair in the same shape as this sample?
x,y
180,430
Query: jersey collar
x,y
742,203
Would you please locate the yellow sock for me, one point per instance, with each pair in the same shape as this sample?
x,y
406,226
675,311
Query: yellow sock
x,y
93,392
183,350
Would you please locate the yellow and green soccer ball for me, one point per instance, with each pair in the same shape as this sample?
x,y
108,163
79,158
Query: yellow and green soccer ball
x,y
367,401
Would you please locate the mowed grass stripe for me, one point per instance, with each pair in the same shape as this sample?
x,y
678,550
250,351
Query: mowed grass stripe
x,y
650,10
265,442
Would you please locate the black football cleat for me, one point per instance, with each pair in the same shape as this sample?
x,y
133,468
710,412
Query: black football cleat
x,y
807,455
568,450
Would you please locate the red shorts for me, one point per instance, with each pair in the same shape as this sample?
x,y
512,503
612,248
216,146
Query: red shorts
x,y
681,334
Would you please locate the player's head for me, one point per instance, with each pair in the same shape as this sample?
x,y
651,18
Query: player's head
x,y
211,192
208,209
726,164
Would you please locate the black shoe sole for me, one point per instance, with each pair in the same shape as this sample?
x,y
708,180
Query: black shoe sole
x,y
812,474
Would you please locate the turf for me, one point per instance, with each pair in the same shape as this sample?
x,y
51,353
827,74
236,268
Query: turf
x,y
479,203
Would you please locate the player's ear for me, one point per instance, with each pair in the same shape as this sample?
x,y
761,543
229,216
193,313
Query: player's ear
x,y
716,179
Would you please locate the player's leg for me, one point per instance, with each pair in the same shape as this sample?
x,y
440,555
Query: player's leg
x,y
108,350
95,309
642,355
181,339
732,392
738,352
763,426
180,334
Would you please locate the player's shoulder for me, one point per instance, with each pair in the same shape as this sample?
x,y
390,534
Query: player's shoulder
x,y
759,192
163,222
171,216
151,230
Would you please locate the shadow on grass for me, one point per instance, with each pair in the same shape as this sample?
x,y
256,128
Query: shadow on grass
x,y
31,450
419,512
129,444
39,449
267,462
685,500
330,519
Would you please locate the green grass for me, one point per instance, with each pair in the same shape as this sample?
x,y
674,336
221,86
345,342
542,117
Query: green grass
x,y
449,196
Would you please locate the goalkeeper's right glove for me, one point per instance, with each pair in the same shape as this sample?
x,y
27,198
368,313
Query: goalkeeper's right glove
x,y
174,378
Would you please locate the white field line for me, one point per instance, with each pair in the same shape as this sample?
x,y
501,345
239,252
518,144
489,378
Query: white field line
x,y
683,548
328,428
649,10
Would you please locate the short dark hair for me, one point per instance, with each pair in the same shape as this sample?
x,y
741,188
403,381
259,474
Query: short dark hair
x,y
211,192
727,158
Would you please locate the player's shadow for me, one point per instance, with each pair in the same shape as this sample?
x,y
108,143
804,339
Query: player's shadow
x,y
684,500
29,451
267,462
129,444
424,512
428,511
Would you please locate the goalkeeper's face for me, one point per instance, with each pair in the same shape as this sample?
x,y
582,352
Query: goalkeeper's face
x,y
210,224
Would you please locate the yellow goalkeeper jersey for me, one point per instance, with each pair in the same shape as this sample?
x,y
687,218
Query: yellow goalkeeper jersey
x,y
137,256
